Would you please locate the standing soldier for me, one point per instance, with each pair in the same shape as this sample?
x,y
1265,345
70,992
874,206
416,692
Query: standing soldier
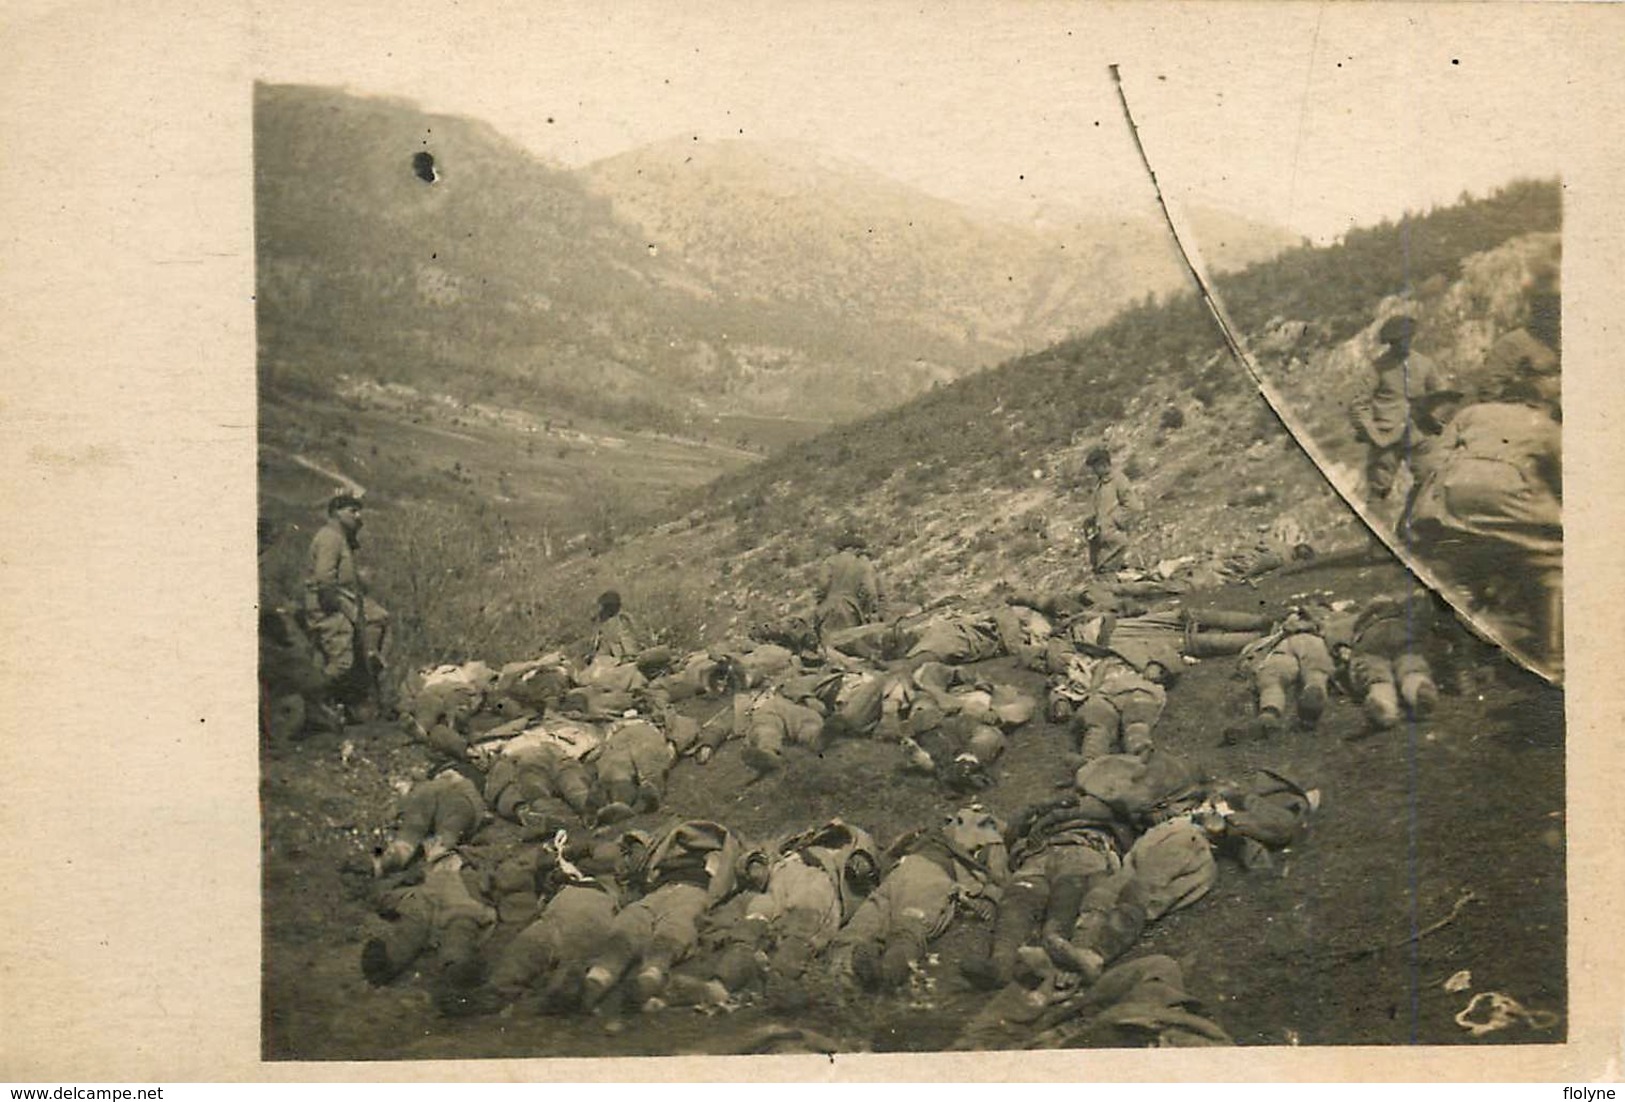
x,y
1115,501
1384,421
347,624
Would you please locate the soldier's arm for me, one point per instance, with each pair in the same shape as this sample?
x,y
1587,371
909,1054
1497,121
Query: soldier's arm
x,y
325,556
1549,460
878,588
1128,495
822,582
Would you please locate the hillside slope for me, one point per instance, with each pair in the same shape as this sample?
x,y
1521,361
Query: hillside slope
x,y
975,484
785,225
405,247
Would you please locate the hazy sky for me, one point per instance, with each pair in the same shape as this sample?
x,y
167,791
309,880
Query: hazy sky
x,y
1312,116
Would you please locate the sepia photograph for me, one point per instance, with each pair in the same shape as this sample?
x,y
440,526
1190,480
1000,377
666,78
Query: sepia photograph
x,y
744,571
811,541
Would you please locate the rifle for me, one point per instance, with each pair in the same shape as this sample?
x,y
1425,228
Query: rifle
x,y
362,645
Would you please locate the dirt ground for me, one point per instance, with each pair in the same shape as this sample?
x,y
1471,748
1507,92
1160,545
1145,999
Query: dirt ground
x,y
1437,848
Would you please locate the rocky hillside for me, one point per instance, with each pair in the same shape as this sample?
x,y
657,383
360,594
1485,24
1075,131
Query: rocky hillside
x,y
778,225
977,483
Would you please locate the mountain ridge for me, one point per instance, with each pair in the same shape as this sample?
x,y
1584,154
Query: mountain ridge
x,y
502,276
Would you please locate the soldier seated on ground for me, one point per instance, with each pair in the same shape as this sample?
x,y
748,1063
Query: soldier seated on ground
x,y
292,688
849,590
616,640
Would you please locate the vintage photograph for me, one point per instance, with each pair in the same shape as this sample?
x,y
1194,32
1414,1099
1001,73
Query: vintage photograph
x,y
980,528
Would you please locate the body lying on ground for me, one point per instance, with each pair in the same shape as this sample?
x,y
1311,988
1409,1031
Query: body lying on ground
x,y
959,863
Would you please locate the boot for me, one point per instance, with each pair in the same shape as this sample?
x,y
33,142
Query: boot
x,y
1083,962
738,966
896,964
1097,742
1118,929
1312,703
375,963
620,790
866,965
760,761
648,798
459,959
1137,740
1033,966
1017,918
1065,900
613,813
1382,706
792,956
649,982
903,948
595,985
1421,696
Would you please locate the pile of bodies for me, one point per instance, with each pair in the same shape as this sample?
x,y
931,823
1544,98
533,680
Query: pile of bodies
x,y
508,882
693,914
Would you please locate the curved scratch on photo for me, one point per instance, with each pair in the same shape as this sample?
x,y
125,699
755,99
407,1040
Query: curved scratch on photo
x,y
344,482
1192,258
